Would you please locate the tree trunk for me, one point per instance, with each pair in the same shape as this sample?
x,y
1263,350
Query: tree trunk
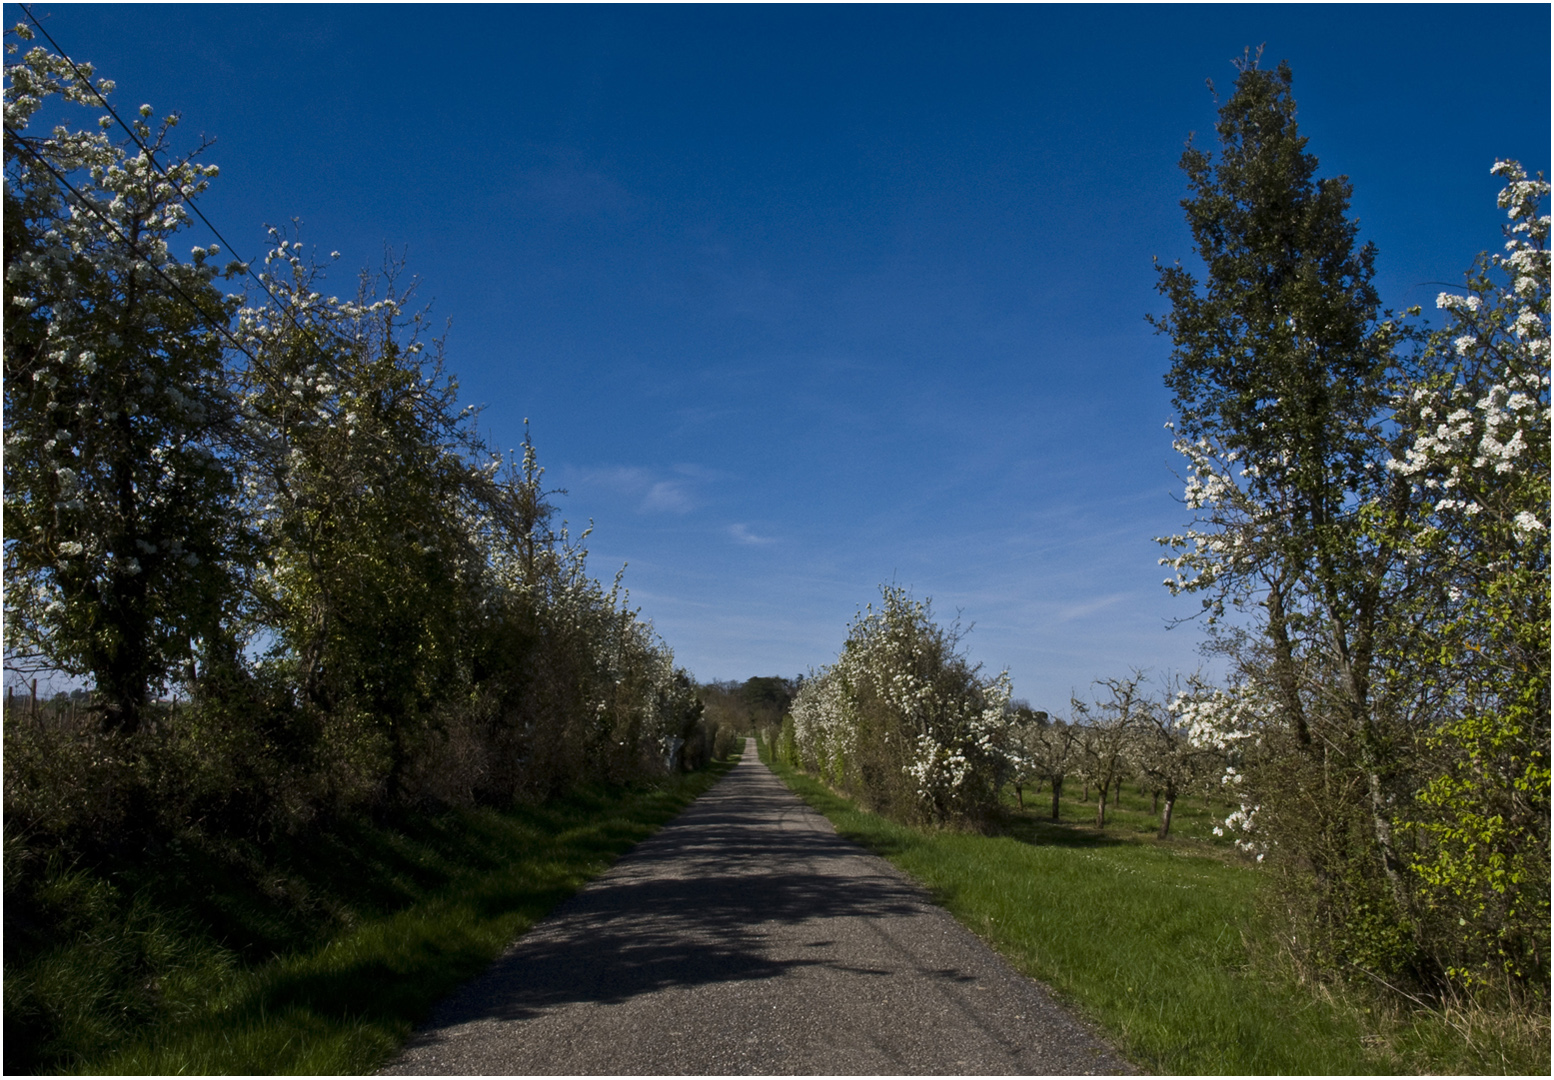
x,y
1154,807
1354,664
1284,662
1019,795
1383,831
1165,817
1100,807
1057,794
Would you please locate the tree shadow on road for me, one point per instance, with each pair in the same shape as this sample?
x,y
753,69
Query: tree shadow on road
x,y
685,909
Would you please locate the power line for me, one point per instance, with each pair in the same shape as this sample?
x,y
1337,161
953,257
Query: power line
x,y
82,200
178,291
187,200
151,157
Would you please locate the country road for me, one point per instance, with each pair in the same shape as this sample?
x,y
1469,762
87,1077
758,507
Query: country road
x,y
747,937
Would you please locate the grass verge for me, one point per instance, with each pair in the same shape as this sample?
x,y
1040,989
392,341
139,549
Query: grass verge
x,y
1153,941
319,958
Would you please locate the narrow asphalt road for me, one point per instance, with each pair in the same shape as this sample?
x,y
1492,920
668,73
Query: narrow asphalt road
x,y
747,937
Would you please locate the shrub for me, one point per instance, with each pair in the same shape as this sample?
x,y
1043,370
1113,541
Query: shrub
x,y
905,721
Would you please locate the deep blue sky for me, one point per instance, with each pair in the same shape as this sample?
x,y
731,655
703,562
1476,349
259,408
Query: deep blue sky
x,y
800,300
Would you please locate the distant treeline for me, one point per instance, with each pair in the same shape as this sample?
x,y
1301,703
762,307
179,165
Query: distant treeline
x,y
733,709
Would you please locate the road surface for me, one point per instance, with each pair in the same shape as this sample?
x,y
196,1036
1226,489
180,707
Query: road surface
x,y
747,937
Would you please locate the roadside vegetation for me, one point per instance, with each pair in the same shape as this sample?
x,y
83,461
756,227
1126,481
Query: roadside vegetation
x,y
1370,547
731,710
314,955
339,657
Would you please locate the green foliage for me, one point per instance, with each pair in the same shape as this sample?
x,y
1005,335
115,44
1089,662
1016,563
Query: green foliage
x,y
756,704
785,747
1479,638
360,481
905,720
313,493
119,493
277,510
1279,356
732,710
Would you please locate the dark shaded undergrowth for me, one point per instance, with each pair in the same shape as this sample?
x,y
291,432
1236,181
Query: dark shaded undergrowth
x,y
317,952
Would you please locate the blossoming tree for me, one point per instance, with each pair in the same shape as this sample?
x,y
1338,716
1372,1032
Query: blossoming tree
x,y
282,487
905,720
120,523
1475,639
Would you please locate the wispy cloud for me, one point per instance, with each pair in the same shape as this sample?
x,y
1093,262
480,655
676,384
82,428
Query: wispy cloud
x,y
654,492
1089,607
668,496
742,533
625,478
567,186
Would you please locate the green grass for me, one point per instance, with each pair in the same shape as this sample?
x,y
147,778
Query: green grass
x,y
320,957
1152,941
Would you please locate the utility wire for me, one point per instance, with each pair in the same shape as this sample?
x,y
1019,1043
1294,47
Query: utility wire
x,y
187,199
82,200
178,291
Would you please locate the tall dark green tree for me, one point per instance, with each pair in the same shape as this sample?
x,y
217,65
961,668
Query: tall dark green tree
x,y
1283,372
1283,362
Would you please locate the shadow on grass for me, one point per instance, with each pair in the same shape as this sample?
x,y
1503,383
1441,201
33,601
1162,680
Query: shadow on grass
x,y
1040,832
426,903
888,838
